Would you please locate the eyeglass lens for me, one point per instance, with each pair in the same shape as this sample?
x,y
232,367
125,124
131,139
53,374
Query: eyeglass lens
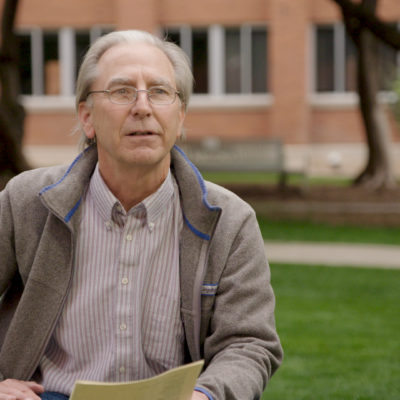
x,y
156,95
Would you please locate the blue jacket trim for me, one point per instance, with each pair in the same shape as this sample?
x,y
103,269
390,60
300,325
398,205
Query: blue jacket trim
x,y
72,211
200,180
209,289
199,389
196,231
46,188
204,195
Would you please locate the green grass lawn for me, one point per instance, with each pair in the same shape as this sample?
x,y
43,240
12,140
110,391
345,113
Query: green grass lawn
x,y
319,232
340,330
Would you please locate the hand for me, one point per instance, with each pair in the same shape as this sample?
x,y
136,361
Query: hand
x,y
199,396
12,389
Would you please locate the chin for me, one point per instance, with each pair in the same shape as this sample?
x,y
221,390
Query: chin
x,y
147,158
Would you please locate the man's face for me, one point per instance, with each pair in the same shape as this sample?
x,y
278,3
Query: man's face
x,y
140,134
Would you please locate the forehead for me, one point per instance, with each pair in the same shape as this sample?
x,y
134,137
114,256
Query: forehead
x,y
135,61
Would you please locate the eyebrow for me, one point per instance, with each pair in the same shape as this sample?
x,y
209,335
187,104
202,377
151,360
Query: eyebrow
x,y
129,82
120,81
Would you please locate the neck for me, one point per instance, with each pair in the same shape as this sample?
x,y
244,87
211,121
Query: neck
x,y
132,185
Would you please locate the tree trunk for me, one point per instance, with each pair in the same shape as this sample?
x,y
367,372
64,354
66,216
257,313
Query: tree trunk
x,y
378,172
12,113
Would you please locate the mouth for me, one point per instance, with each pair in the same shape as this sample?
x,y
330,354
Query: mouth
x,y
141,133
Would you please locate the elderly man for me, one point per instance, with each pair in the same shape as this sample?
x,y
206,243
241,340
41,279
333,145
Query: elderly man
x,y
126,263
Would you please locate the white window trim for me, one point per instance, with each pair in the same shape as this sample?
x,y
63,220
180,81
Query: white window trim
x,y
345,100
186,41
66,56
39,104
37,62
312,77
216,60
48,103
231,101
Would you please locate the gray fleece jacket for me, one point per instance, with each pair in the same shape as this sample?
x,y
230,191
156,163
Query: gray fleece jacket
x,y
227,303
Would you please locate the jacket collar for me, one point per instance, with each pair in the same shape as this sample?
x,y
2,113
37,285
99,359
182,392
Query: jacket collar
x,y
198,213
65,195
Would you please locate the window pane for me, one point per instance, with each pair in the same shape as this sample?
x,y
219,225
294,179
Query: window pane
x,y
25,63
172,35
325,59
232,60
259,60
51,63
200,60
82,43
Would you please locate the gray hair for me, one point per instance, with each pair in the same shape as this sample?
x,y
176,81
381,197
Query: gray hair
x,y
88,71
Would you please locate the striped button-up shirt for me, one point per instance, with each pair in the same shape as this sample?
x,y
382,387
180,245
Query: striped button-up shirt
x,y
121,320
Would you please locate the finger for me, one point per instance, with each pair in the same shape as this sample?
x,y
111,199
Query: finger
x,y
34,386
15,394
12,389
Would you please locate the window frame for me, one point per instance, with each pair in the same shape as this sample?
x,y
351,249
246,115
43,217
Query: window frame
x,y
217,96
38,100
339,97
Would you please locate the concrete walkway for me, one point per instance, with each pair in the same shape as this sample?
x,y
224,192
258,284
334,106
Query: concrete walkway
x,y
334,254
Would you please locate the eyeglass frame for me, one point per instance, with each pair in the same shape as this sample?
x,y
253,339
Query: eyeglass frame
x,y
109,91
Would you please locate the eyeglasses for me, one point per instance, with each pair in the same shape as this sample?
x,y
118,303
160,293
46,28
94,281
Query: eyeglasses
x,y
157,95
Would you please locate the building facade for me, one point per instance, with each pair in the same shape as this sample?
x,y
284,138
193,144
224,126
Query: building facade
x,y
263,69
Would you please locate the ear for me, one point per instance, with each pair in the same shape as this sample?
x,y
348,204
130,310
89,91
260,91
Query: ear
x,y
85,119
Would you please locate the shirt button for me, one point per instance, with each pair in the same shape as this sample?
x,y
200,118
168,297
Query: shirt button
x,y
129,237
122,327
121,369
124,281
108,225
151,226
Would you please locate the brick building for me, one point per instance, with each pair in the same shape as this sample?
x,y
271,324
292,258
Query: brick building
x,y
263,69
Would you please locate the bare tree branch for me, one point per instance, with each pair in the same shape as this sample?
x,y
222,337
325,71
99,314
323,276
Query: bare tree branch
x,y
363,16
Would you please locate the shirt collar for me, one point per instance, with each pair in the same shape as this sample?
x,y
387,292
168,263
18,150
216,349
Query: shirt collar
x,y
153,205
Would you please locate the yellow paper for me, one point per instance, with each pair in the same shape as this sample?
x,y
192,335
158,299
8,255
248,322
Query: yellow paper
x,y
175,384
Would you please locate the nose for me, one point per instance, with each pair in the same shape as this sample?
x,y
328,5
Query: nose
x,y
141,107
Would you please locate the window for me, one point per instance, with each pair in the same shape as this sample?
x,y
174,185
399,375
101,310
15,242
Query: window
x,y
225,60
51,71
50,60
232,60
259,60
82,43
336,61
325,59
200,60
